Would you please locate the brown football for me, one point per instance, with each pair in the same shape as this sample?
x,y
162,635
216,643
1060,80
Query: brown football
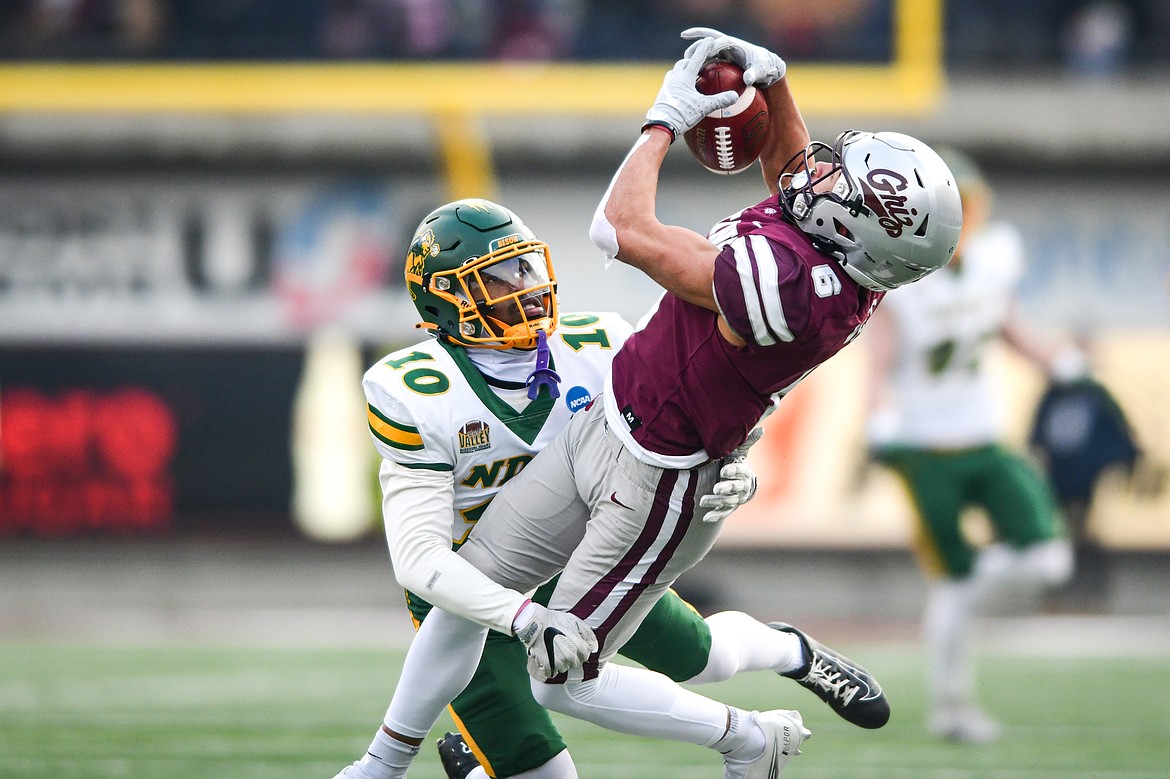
x,y
730,139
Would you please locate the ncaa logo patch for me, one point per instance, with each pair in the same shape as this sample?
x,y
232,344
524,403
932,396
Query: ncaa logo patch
x,y
577,398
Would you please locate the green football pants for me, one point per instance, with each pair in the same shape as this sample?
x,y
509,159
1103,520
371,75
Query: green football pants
x,y
1018,501
510,732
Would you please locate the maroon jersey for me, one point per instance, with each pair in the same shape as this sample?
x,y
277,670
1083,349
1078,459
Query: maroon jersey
x,y
681,394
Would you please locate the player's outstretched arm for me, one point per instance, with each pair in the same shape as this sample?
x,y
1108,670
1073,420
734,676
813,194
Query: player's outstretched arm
x,y
787,133
416,510
625,225
417,506
1060,360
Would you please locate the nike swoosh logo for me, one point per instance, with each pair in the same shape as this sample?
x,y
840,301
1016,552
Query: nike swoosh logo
x,y
550,635
613,497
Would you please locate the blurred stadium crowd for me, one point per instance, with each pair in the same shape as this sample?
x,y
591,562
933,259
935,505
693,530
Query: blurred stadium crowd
x,y
1093,36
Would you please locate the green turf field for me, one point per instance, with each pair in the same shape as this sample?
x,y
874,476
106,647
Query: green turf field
x,y
170,713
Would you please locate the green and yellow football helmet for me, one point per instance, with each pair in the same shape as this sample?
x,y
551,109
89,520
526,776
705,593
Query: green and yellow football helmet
x,y
479,277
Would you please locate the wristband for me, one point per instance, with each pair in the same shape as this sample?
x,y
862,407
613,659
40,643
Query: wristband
x,y
661,126
524,607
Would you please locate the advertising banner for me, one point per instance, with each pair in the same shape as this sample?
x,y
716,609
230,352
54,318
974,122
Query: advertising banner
x,y
157,335
145,440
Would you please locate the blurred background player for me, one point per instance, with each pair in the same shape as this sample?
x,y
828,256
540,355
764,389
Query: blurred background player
x,y
1079,434
935,421
456,417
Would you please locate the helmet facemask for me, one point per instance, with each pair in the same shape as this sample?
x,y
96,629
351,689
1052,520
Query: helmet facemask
x,y
798,184
480,278
503,298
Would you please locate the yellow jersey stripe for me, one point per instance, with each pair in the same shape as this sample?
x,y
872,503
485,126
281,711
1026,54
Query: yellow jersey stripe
x,y
393,433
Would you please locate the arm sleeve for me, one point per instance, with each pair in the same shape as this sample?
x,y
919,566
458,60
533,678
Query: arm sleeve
x,y
601,232
417,513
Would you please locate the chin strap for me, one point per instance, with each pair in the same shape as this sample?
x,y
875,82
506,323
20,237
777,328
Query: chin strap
x,y
542,376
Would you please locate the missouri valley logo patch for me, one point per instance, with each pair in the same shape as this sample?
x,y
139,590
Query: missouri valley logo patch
x,y
474,437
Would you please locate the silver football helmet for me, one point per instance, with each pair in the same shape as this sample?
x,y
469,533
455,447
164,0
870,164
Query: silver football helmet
x,y
893,214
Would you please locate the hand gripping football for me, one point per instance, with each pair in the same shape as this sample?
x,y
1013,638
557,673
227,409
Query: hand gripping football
x,y
730,139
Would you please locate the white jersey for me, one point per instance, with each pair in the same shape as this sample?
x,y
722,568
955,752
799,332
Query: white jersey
x,y
943,390
430,409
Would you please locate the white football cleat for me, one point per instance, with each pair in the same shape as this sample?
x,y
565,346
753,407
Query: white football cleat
x,y
784,731
356,771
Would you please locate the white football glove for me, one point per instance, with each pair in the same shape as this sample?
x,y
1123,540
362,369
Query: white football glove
x,y
680,106
761,67
557,641
737,482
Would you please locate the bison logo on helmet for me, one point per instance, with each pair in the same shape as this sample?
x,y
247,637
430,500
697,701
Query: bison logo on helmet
x,y
424,246
881,188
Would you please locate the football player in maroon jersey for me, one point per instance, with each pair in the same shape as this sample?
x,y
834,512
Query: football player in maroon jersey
x,y
748,311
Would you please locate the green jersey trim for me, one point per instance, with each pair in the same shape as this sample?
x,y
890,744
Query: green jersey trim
x,y
428,466
527,424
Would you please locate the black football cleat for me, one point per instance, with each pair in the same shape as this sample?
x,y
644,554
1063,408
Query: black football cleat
x,y
457,758
838,681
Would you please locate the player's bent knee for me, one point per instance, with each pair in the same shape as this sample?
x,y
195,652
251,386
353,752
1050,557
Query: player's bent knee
x,y
554,697
547,695
560,767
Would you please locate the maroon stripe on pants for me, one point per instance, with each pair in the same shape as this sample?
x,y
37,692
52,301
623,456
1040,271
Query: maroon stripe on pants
x,y
651,576
600,591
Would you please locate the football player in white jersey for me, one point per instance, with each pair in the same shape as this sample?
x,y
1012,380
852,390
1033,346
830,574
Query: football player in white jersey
x,y
935,421
455,418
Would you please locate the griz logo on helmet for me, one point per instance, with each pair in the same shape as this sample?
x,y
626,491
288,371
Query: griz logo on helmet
x,y
881,188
